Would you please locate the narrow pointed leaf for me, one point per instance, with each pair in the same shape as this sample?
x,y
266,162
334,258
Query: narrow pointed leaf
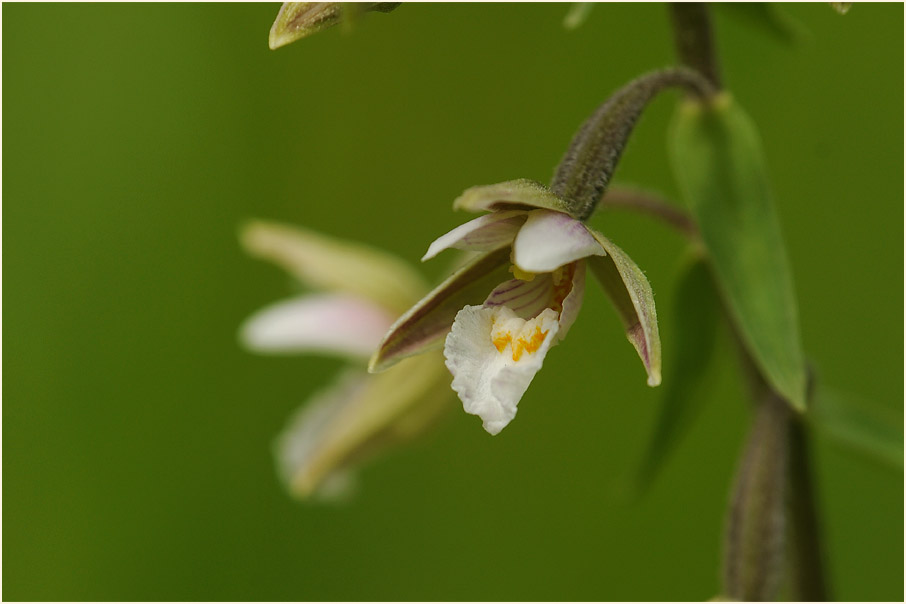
x,y
522,194
425,324
718,163
628,288
859,425
696,312
334,265
768,18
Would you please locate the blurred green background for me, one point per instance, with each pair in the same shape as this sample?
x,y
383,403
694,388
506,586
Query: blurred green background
x,y
137,434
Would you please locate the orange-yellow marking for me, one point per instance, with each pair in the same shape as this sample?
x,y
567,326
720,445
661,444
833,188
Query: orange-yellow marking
x,y
520,345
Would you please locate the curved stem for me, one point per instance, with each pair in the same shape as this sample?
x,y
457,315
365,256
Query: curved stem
x,y
592,156
650,204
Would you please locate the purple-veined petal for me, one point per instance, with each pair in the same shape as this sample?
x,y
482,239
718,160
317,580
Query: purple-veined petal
x,y
425,324
357,417
521,194
628,288
481,234
525,298
326,323
572,301
493,355
549,240
333,265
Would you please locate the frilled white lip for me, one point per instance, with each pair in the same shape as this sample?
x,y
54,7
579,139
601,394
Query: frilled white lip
x,y
493,355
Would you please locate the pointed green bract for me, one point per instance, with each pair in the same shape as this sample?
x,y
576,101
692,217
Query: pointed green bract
x,y
577,15
334,265
428,322
696,314
521,194
297,20
629,290
859,425
717,159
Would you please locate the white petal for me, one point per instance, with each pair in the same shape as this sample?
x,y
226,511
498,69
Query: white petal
x,y
482,234
493,356
317,323
548,240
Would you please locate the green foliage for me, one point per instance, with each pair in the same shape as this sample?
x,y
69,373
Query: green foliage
x,y
718,164
859,425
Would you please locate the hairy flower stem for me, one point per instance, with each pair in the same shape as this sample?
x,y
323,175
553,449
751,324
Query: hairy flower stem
x,y
694,40
592,156
807,580
774,475
754,543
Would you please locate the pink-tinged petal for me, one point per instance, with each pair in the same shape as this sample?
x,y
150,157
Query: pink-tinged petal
x,y
356,418
325,323
493,355
425,324
628,288
526,298
482,234
334,265
548,240
521,194
572,302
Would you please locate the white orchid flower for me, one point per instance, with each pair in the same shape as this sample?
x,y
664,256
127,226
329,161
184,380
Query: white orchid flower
x,y
495,343
358,291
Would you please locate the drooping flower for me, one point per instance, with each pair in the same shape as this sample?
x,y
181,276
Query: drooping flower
x,y
357,293
533,256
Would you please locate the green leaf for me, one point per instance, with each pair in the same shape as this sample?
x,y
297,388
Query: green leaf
x,y
769,19
718,163
629,291
695,314
859,425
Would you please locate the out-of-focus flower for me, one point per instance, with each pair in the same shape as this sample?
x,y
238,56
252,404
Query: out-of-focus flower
x,y
297,20
494,348
358,291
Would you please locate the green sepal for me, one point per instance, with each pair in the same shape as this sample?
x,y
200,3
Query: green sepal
x,y
521,194
425,325
718,163
629,291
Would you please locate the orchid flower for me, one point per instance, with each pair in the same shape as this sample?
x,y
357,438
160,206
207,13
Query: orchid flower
x,y
358,292
533,256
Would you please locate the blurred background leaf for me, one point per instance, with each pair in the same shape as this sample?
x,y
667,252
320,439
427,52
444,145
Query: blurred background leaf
x,y
137,138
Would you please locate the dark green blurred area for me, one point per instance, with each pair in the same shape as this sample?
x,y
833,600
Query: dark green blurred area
x,y
137,434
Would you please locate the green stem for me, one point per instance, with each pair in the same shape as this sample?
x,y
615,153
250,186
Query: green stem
x,y
694,40
643,202
808,579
